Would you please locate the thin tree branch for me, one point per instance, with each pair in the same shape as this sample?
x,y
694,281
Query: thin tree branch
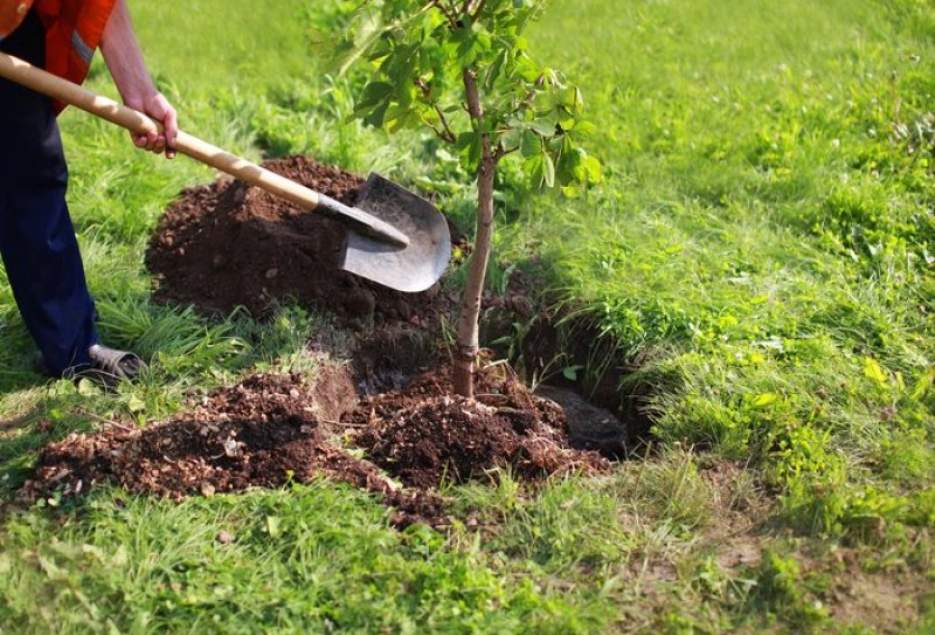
x,y
451,138
475,109
421,85
502,152
530,96
438,133
447,134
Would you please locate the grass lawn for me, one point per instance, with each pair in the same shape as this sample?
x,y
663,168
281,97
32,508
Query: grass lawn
x,y
759,258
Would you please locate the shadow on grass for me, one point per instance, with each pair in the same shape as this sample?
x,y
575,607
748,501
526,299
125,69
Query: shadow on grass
x,y
17,379
18,359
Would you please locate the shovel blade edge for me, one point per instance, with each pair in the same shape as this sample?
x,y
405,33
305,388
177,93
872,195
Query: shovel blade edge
x,y
410,269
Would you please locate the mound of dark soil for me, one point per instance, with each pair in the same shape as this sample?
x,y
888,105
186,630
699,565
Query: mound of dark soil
x,y
268,430
423,435
261,432
228,244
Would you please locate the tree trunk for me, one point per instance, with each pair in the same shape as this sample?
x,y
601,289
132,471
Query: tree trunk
x,y
467,336
468,320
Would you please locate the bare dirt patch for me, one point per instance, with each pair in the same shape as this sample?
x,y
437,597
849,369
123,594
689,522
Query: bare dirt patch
x,y
888,603
554,338
226,245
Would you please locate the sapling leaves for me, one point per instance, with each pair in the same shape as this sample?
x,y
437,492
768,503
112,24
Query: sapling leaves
x,y
461,69
530,143
417,52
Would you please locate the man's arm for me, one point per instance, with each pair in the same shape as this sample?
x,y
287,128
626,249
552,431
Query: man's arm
x,y
125,61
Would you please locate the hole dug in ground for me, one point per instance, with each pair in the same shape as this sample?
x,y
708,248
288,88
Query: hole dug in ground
x,y
544,342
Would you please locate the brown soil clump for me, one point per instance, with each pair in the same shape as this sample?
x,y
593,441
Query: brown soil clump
x,y
228,244
261,432
424,435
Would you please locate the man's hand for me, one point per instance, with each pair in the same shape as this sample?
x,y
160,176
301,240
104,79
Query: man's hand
x,y
125,61
159,108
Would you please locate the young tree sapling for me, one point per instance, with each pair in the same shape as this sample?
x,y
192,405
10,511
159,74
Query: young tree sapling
x,y
462,69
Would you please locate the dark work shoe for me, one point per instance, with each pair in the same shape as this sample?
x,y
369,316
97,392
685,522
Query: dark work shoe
x,y
108,367
114,364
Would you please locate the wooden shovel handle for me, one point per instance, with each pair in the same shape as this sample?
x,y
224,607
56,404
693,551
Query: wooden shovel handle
x,y
24,73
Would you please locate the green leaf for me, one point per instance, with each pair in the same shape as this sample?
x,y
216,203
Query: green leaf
x,y
496,68
469,143
589,170
571,372
571,191
513,137
764,399
548,170
534,168
544,127
531,144
373,94
474,151
465,139
87,388
873,370
273,526
135,404
469,46
376,117
526,69
572,99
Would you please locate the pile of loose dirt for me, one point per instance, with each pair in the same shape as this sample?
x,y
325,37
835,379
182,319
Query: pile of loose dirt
x,y
261,432
228,244
267,430
423,435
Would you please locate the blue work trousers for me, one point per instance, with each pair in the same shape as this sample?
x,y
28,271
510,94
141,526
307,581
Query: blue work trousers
x,y
37,240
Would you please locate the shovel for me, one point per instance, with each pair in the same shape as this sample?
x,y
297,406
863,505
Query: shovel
x,y
394,238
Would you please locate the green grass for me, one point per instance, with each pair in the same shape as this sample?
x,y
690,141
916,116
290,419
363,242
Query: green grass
x,y
769,240
761,249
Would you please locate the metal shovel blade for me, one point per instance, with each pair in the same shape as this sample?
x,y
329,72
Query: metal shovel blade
x,y
413,268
